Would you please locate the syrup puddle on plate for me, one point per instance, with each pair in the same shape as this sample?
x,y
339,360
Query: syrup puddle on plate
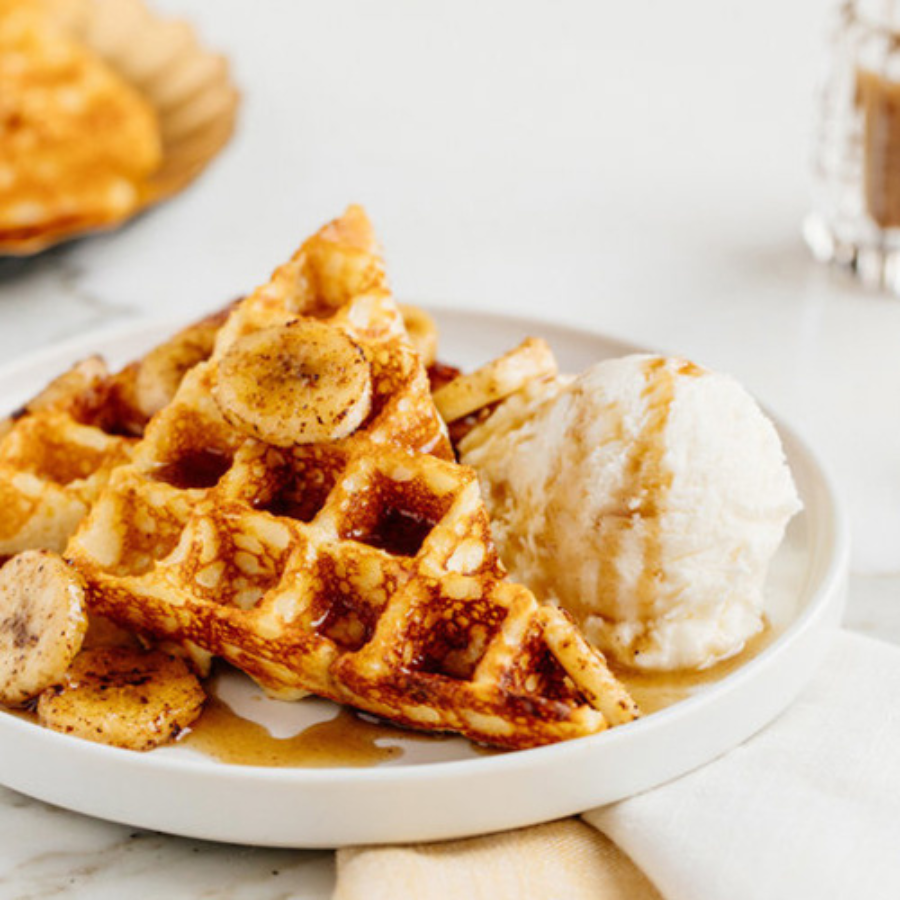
x,y
654,691
350,739
345,740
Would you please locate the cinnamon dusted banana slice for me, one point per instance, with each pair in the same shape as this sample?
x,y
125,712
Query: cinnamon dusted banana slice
x,y
42,623
123,696
495,381
300,383
422,332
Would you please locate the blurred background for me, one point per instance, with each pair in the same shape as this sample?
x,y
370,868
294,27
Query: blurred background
x,y
638,169
565,160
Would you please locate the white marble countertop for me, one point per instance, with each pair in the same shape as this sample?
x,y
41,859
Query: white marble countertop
x,y
637,170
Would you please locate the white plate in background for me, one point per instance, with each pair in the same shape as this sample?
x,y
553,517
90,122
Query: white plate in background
x,y
438,789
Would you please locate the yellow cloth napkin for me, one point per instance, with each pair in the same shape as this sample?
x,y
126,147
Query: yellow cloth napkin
x,y
565,859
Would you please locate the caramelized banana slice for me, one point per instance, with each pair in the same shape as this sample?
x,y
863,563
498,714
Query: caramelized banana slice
x,y
125,697
422,332
161,371
495,381
300,383
42,623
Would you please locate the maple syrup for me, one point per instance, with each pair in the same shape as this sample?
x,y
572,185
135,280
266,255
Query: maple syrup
x,y
194,469
345,740
654,691
398,531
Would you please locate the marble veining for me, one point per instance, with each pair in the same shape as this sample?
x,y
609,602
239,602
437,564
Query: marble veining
x,y
49,852
44,300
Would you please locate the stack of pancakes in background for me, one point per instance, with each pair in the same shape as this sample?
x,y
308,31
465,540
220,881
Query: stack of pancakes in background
x,y
104,110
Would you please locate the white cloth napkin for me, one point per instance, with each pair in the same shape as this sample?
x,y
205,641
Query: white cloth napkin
x,y
808,808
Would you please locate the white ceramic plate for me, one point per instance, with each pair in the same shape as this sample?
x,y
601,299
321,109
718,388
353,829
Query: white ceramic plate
x,y
439,789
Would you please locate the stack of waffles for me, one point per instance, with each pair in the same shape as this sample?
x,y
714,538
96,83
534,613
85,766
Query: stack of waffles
x,y
295,509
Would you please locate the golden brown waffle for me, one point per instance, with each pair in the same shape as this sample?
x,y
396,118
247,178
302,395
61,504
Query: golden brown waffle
x,y
54,461
56,453
358,569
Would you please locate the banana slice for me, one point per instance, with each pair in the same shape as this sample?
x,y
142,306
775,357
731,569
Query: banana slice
x,y
161,371
42,623
130,698
422,332
300,383
495,381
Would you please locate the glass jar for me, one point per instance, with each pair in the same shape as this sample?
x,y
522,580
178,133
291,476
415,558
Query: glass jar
x,y
855,219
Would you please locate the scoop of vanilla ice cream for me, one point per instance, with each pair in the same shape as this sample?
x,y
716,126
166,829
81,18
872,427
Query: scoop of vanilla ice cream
x,y
648,497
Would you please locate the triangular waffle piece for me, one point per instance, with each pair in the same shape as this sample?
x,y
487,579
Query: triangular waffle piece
x,y
357,568
57,451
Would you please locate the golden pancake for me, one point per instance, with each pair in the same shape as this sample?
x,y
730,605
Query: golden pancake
x,y
77,142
